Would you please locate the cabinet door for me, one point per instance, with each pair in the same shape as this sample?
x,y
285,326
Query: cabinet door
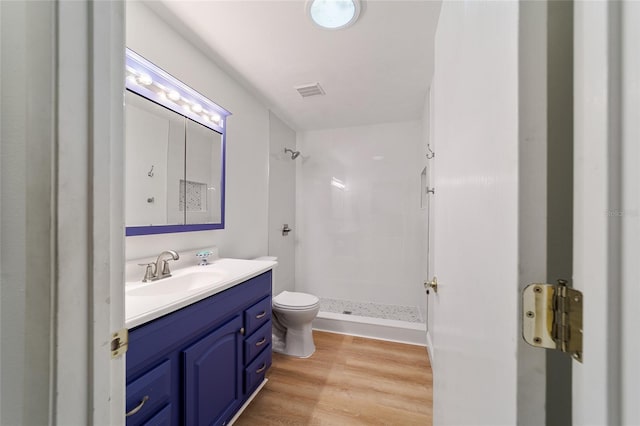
x,y
213,386
163,418
148,393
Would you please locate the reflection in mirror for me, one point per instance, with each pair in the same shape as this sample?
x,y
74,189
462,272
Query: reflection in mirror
x,y
175,154
200,198
155,148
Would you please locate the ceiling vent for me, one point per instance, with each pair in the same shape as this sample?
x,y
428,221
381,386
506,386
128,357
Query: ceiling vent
x,y
311,89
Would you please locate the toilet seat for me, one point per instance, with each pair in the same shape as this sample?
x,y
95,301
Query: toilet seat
x,y
291,300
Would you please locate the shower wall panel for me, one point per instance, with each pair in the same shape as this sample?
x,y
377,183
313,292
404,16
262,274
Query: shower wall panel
x,y
358,213
282,191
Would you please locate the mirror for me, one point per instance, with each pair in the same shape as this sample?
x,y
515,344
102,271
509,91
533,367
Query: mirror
x,y
175,149
203,175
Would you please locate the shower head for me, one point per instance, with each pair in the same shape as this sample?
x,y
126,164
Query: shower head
x,y
294,154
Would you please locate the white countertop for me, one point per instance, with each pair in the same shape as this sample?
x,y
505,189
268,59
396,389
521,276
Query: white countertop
x,y
140,309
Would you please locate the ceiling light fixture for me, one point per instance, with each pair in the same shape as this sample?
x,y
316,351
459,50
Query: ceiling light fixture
x,y
334,14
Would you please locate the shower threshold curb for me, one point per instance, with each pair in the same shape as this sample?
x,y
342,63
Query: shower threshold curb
x,y
374,328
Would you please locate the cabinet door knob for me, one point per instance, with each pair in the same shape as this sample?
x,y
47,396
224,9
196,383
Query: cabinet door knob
x,y
261,369
261,342
138,407
261,314
242,331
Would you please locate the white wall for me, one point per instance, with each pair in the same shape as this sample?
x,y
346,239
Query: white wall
x,y
246,203
282,204
361,242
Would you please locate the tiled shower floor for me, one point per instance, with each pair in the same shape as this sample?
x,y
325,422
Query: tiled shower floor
x,y
369,309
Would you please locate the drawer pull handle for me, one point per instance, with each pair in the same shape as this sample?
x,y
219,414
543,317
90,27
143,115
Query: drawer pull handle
x,y
261,369
138,407
261,342
261,314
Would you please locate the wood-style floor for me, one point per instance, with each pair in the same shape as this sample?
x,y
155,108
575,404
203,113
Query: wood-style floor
x,y
348,381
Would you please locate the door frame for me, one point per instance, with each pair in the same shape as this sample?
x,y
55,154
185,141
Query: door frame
x,y
62,211
89,307
606,196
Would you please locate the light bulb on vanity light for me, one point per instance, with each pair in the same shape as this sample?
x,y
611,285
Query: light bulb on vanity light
x,y
197,108
174,95
145,79
215,117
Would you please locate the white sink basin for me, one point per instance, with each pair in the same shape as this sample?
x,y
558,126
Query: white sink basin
x,y
147,301
178,284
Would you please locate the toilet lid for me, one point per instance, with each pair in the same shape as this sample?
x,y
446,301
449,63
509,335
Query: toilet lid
x,y
295,300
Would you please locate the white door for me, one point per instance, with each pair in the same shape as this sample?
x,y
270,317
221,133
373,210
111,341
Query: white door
x,y
491,238
474,329
430,218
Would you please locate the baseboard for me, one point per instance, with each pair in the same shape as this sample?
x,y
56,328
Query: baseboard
x,y
430,347
247,402
373,328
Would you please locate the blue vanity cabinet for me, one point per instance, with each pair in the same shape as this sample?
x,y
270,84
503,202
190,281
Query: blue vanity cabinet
x,y
198,365
213,387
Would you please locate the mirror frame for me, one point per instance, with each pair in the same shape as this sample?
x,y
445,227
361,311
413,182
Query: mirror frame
x,y
153,83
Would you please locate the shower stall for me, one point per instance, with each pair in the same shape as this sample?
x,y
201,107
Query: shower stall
x,y
351,200
359,242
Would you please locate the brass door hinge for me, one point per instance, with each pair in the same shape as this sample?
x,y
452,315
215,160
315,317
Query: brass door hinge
x,y
552,317
119,342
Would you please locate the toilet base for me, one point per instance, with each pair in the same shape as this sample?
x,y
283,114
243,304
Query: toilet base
x,y
298,342
281,351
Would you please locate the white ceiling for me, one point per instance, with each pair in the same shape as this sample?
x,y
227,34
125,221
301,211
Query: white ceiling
x,y
377,70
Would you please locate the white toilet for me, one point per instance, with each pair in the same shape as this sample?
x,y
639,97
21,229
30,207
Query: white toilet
x,y
293,313
292,316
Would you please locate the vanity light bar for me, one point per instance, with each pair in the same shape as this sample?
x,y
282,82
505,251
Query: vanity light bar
x,y
146,79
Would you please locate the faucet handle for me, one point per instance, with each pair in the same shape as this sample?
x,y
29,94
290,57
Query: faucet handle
x,y
164,267
149,273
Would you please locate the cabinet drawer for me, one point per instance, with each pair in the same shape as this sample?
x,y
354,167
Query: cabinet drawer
x,y
163,418
148,393
255,372
255,343
257,315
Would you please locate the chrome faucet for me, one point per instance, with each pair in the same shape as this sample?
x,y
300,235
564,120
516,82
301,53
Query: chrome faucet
x,y
159,269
